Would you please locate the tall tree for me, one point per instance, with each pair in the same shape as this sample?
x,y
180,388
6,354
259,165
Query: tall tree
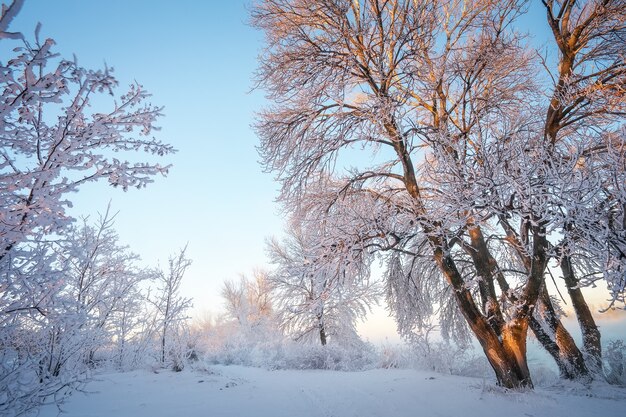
x,y
470,181
582,125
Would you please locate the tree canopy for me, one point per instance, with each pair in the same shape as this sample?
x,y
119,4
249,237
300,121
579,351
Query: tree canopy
x,y
488,162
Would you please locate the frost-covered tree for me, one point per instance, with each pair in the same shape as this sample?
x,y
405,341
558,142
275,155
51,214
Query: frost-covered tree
x,y
58,131
102,285
30,286
584,127
486,161
248,324
52,141
171,309
248,300
82,283
320,293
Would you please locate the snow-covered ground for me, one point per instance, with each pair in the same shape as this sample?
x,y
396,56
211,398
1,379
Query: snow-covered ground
x,y
243,391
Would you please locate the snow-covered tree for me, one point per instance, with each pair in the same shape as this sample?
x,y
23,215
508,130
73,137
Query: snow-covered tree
x,y
171,309
485,160
248,301
248,325
81,283
320,293
52,140
58,131
102,284
30,286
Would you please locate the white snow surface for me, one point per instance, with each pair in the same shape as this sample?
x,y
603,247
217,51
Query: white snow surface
x,y
222,391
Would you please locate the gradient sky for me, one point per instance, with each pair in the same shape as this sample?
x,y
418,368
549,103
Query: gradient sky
x,y
197,58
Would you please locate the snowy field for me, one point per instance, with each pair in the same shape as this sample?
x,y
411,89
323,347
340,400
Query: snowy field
x,y
242,391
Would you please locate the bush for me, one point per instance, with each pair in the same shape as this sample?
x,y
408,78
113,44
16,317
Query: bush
x,y
615,362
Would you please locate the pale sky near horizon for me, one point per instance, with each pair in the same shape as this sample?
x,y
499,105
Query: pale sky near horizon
x,y
197,58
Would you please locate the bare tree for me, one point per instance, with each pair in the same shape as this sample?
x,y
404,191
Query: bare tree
x,y
171,307
473,177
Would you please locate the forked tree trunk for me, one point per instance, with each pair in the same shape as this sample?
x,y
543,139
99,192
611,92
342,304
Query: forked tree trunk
x,y
547,327
507,356
506,353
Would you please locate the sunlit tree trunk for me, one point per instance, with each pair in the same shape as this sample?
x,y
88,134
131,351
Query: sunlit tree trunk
x,y
485,269
506,355
588,327
555,338
544,322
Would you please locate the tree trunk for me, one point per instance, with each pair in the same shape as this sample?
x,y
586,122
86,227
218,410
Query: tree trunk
x,y
555,338
485,271
552,335
588,327
163,347
514,343
322,335
507,357
320,321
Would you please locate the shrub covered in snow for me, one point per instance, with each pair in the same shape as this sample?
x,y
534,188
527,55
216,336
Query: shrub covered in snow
x,y
615,362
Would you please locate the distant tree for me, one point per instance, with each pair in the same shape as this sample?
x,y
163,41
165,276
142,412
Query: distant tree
x,y
170,307
248,324
248,300
474,180
319,293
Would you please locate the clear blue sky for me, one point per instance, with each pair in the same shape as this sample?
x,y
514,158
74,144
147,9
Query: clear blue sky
x,y
197,58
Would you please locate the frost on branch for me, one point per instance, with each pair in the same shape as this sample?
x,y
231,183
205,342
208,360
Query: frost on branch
x,y
321,282
483,166
61,288
52,141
